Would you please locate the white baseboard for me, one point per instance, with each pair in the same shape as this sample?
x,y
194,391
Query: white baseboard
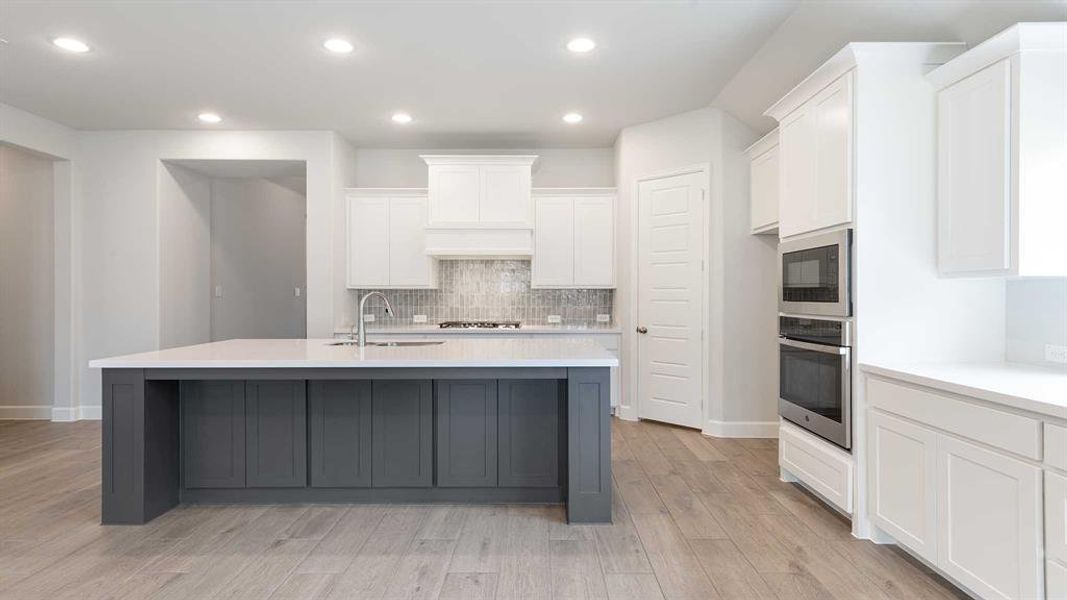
x,y
741,429
76,413
626,413
25,412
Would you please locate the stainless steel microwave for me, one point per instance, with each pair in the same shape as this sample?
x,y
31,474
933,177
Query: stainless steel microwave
x,y
814,275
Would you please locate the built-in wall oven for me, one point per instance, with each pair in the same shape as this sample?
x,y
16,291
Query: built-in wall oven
x,y
814,275
815,376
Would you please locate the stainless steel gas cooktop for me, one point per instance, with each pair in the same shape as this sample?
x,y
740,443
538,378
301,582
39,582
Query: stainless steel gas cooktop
x,y
480,325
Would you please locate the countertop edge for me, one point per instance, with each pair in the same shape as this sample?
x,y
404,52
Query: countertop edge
x,y
395,364
448,331
1020,401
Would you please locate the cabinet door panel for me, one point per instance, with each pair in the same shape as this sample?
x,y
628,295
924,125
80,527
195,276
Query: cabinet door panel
x,y
594,242
276,433
989,520
904,482
529,433
454,193
831,114
467,433
340,429
553,262
1056,516
796,176
973,171
505,194
368,242
402,434
409,266
763,190
213,434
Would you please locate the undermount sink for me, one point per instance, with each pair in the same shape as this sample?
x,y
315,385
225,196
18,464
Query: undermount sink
x,y
398,344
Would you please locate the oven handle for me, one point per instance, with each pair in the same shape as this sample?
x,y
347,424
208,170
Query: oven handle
x,y
839,350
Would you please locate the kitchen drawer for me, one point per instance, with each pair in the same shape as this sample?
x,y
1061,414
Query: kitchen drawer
x,y
1056,516
1055,580
1004,430
1056,446
821,466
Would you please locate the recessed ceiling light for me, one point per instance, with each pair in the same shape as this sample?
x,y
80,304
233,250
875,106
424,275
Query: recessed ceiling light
x,y
209,117
572,118
338,46
71,44
581,45
402,117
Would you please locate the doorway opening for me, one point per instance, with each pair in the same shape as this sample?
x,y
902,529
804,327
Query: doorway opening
x,y
233,253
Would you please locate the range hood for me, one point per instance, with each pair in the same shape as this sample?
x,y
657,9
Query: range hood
x,y
480,206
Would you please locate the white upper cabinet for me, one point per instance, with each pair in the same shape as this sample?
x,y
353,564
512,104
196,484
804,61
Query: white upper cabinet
x,y
815,160
763,184
574,245
1002,155
386,240
467,189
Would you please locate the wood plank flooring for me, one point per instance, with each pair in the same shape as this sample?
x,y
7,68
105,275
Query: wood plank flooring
x,y
695,517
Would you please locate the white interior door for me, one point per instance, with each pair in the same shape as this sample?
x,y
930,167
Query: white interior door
x,y
670,303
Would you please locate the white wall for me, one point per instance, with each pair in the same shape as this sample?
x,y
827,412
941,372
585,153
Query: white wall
x,y
741,393
26,284
185,256
556,167
120,254
257,259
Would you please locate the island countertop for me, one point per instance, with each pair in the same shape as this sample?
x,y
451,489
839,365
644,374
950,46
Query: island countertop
x,y
549,351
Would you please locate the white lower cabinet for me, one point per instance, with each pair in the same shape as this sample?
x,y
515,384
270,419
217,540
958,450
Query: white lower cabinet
x,y
904,482
989,518
1056,581
1056,517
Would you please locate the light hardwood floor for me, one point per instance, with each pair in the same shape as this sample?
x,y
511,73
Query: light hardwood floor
x,y
695,517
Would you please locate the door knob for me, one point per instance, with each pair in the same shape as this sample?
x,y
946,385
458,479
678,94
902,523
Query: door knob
x,y
642,330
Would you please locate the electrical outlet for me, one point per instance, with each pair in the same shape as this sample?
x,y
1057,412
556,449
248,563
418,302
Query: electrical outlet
x,y
418,318
602,318
1056,354
555,319
368,317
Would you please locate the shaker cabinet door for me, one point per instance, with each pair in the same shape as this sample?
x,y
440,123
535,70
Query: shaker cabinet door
x,y
340,430
213,434
402,433
368,242
553,261
594,242
276,433
409,266
466,433
529,432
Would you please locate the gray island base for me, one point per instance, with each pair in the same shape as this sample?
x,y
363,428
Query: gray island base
x,y
178,435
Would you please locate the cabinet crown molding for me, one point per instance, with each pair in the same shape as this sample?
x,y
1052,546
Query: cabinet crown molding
x,y
479,159
1021,37
763,144
855,55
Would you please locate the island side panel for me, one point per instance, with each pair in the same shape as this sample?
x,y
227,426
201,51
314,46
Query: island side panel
x,y
588,445
139,460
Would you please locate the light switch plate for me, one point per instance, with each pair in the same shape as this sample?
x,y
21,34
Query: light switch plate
x,y
1056,354
555,319
418,318
368,318
602,318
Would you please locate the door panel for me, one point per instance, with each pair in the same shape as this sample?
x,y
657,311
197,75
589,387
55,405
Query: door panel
x,y
213,434
670,299
368,242
989,520
831,112
904,482
409,266
454,193
594,242
553,264
402,434
505,194
529,433
796,176
340,430
467,433
276,433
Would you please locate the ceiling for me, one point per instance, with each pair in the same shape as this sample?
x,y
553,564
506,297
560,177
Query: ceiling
x,y
488,74
473,74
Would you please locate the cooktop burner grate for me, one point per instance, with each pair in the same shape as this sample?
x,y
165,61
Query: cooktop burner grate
x,y
480,325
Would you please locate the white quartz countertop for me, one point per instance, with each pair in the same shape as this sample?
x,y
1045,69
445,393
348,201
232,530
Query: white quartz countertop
x,y
546,351
525,329
1032,388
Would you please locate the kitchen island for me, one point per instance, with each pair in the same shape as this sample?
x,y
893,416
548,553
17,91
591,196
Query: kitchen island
x,y
268,421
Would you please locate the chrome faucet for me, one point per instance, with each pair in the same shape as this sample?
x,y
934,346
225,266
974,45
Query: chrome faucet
x,y
362,333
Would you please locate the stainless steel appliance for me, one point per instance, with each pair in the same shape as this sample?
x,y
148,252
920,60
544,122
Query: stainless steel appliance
x,y
814,275
815,376
480,325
